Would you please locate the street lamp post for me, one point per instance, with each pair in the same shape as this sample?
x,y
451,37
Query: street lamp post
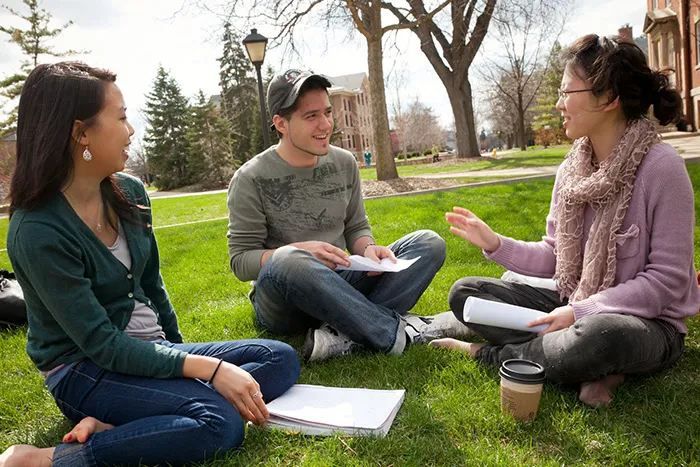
x,y
255,45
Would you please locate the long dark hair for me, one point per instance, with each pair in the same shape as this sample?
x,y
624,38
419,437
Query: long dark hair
x,y
615,65
53,98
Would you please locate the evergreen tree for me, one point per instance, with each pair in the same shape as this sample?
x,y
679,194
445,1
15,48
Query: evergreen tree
x,y
238,93
545,111
547,121
166,115
32,41
210,144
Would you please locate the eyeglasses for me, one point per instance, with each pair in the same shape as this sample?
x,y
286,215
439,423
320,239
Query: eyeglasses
x,y
564,94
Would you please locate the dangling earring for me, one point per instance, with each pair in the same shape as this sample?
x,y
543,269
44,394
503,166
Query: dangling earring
x,y
87,155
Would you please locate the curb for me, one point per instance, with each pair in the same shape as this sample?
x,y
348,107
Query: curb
x,y
508,181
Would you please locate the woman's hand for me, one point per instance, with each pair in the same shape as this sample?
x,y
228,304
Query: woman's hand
x,y
235,385
466,225
239,388
560,318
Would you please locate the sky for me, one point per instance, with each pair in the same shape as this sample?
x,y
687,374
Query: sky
x,y
132,37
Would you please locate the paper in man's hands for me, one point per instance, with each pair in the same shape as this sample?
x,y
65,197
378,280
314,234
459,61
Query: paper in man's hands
x,y
360,263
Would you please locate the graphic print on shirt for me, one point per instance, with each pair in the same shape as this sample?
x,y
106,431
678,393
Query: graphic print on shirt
x,y
293,204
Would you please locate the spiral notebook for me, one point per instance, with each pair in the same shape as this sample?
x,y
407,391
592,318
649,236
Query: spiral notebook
x,y
326,411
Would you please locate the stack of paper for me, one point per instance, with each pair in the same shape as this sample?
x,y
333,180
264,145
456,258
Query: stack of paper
x,y
326,411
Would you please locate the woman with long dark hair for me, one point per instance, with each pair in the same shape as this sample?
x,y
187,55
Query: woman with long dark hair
x,y
102,329
619,237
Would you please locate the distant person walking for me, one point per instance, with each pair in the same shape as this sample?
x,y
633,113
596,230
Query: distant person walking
x,y
368,158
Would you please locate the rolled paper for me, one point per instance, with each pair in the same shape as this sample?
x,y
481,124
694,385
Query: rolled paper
x,y
501,315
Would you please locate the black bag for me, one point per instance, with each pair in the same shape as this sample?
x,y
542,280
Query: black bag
x,y
12,309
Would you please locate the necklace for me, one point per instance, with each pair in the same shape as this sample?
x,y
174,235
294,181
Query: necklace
x,y
99,212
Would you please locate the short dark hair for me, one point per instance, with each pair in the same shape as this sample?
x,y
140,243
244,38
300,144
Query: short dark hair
x,y
53,97
616,65
309,85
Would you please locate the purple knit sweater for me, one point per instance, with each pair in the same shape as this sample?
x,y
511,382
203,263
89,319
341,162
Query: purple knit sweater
x,y
655,276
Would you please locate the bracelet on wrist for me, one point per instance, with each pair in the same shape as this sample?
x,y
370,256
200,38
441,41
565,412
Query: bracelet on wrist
x,y
215,370
368,245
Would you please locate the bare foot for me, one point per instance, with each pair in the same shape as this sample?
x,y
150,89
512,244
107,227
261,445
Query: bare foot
x,y
598,393
454,344
23,455
82,431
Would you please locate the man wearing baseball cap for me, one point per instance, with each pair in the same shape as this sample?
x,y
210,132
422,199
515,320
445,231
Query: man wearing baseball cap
x,y
294,210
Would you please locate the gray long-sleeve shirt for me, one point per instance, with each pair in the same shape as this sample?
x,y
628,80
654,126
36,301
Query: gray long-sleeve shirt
x,y
272,204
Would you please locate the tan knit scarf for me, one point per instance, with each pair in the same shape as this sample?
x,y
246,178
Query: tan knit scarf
x,y
609,190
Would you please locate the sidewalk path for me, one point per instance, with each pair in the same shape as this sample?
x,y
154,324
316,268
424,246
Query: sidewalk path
x,y
689,146
521,172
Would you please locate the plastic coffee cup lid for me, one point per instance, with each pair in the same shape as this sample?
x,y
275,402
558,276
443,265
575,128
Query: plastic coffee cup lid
x,y
522,371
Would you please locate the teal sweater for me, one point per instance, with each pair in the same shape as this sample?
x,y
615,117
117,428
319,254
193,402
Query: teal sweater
x,y
80,297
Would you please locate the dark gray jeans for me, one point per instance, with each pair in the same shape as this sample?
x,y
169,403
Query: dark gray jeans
x,y
593,347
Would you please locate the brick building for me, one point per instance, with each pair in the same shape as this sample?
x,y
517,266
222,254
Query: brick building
x,y
673,34
350,99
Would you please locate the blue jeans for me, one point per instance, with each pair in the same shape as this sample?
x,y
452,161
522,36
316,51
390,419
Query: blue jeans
x,y
166,421
295,292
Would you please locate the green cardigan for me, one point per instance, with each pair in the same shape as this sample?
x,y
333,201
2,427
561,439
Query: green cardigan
x,y
80,297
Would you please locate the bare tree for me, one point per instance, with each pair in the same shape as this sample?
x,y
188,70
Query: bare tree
x,y
138,161
397,84
518,62
502,115
423,129
366,17
470,21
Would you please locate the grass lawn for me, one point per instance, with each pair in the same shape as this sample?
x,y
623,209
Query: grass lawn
x,y
451,414
511,160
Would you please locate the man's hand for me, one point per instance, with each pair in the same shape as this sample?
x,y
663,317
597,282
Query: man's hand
x,y
560,318
376,253
326,253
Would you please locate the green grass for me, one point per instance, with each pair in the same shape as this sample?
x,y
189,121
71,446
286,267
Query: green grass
x,y
512,160
451,414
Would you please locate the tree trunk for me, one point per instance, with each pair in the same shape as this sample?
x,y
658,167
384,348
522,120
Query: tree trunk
x,y
521,123
462,108
386,167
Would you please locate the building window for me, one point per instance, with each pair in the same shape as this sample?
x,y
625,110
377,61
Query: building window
x,y
353,142
349,141
655,54
654,4
346,120
671,60
697,43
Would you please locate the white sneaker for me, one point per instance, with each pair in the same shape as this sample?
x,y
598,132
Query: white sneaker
x,y
326,342
422,329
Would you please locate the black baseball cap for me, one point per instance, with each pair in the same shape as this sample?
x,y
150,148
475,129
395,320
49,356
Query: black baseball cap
x,y
283,90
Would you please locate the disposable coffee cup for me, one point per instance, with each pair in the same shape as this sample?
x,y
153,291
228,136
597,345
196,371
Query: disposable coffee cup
x,y
521,388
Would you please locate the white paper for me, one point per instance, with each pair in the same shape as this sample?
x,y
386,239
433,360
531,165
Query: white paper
x,y
360,263
502,315
324,410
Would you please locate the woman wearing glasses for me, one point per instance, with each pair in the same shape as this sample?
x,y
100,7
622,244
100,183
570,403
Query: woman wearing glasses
x,y
619,235
102,329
